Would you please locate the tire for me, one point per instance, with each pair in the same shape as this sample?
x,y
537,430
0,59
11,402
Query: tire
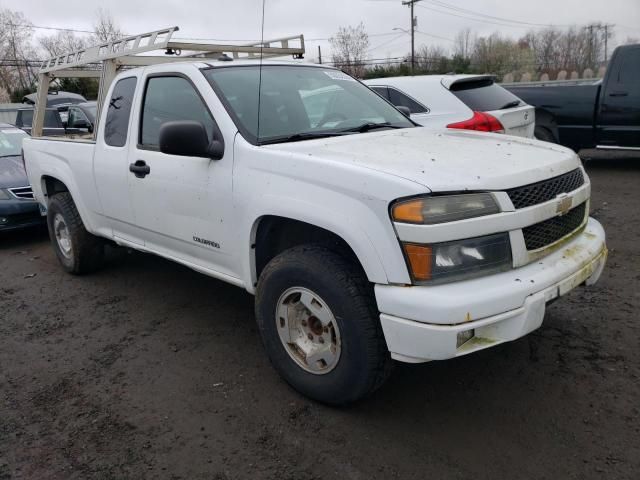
x,y
545,135
363,362
78,251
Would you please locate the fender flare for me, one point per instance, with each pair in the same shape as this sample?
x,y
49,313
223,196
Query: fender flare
x,y
329,220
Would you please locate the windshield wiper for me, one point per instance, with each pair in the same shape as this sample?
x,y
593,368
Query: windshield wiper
x,y
366,127
297,137
514,103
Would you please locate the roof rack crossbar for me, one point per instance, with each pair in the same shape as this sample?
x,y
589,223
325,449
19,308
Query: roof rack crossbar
x,y
145,42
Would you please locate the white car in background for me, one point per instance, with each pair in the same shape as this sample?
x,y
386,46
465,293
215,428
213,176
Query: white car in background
x,y
469,102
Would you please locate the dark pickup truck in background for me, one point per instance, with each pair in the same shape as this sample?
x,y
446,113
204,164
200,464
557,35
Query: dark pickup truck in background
x,y
601,113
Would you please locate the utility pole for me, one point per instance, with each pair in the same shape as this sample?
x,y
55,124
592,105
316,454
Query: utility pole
x,y
606,41
591,62
319,55
411,3
594,41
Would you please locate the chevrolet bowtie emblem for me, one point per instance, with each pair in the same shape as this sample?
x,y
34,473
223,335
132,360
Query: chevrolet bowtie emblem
x,y
563,205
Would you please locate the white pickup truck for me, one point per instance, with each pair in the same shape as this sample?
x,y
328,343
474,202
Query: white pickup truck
x,y
364,237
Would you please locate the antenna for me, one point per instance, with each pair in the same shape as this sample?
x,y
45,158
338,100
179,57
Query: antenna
x,y
260,72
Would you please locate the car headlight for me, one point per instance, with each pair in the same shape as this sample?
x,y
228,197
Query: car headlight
x,y
458,260
446,208
4,195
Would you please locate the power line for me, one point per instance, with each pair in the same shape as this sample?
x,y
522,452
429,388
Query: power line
x,y
40,27
448,6
386,43
435,36
484,20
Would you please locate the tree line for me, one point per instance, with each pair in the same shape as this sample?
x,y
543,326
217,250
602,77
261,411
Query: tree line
x,y
538,52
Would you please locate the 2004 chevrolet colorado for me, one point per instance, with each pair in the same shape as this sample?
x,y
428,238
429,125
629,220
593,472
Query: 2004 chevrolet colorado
x,y
364,237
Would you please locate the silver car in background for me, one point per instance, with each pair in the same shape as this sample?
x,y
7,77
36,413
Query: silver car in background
x,y
470,102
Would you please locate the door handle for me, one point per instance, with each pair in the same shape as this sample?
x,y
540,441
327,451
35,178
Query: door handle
x,y
140,169
619,94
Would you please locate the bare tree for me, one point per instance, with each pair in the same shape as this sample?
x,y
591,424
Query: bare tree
x,y
349,49
105,28
17,72
463,46
61,43
499,55
430,59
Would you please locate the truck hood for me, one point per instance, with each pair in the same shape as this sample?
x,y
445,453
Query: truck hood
x,y
12,173
444,160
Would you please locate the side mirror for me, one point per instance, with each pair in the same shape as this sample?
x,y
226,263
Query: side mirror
x,y
189,139
404,110
81,124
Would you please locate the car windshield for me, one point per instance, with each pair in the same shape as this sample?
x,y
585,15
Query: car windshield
x,y
299,103
11,142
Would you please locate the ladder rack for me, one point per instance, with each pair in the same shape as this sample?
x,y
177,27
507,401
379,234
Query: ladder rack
x,y
103,61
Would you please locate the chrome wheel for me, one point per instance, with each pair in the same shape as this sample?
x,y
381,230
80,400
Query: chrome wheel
x,y
63,238
308,330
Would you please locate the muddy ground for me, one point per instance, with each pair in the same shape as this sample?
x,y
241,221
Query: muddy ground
x,y
149,370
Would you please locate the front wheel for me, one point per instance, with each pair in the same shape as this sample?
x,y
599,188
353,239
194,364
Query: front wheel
x,y
319,324
77,250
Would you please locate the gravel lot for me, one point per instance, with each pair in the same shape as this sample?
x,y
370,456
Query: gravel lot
x,y
149,370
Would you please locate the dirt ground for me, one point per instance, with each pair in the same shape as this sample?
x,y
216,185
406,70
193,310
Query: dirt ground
x,y
149,370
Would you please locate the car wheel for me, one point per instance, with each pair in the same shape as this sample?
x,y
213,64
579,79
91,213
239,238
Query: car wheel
x,y
77,250
545,135
319,324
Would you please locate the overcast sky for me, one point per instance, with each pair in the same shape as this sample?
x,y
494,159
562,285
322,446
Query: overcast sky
x,y
320,19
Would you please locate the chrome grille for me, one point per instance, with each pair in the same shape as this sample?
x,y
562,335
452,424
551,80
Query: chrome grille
x,y
25,193
545,233
546,190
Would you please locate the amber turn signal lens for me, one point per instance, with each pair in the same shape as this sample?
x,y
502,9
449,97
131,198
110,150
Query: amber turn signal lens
x,y
410,212
420,261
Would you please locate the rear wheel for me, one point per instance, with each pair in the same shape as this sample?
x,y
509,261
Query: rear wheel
x,y
545,135
319,324
77,250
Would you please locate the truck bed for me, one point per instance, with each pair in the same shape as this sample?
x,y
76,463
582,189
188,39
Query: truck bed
x,y
70,161
572,106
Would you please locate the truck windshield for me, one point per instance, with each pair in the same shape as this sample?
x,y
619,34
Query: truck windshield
x,y
300,103
11,142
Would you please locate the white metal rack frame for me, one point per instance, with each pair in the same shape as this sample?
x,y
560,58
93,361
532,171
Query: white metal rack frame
x,y
103,61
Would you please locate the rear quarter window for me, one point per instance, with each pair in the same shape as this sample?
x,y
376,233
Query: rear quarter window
x,y
483,95
400,99
117,124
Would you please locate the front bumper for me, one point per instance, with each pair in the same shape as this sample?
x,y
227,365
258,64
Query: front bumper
x,y
19,214
423,323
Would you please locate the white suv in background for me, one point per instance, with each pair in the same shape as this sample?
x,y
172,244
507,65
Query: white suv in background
x,y
469,102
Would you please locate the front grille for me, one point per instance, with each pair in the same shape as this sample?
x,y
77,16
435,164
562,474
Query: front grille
x,y
24,193
545,233
546,190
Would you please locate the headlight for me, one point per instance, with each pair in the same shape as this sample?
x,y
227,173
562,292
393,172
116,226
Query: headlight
x,y
4,195
448,208
459,260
